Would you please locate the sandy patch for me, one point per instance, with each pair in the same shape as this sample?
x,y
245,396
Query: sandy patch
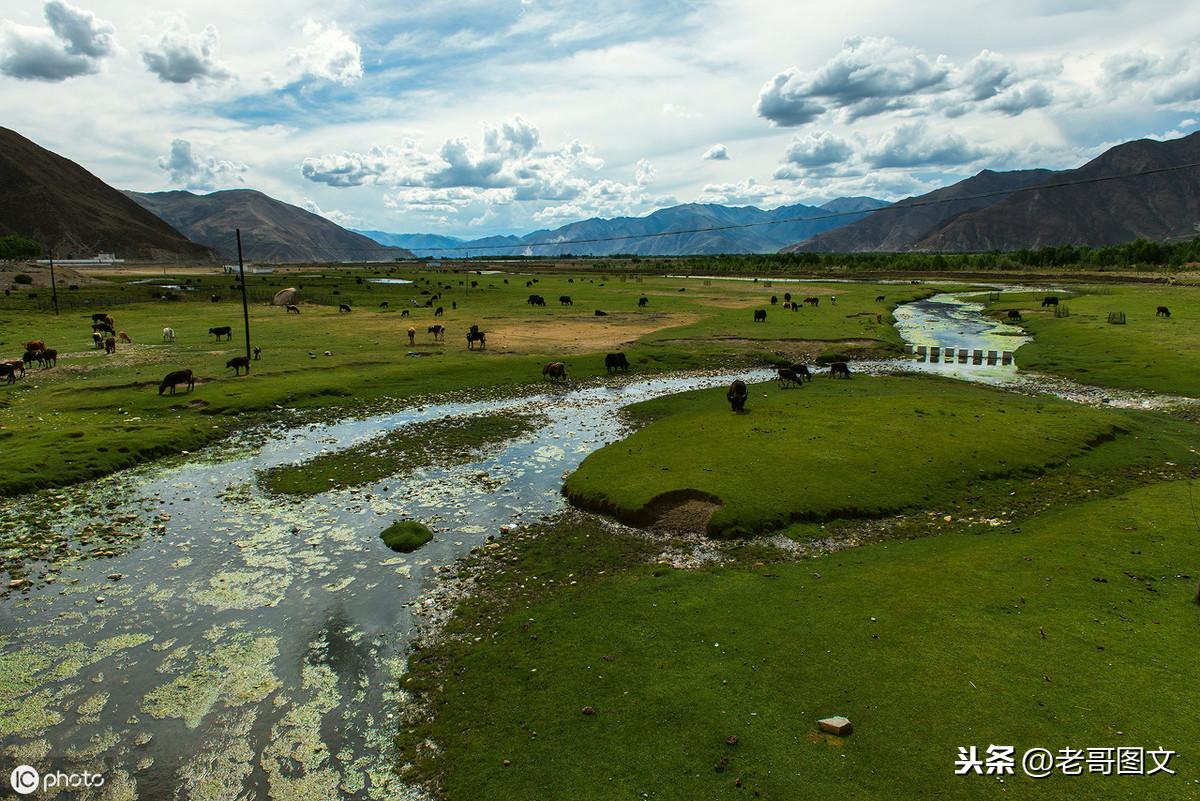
x,y
579,335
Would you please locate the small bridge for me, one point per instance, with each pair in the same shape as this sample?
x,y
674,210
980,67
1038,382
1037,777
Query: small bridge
x,y
935,353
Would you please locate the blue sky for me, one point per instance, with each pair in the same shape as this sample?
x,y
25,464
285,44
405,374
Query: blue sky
x,y
476,118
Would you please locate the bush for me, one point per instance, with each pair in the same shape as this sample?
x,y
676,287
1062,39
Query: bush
x,y
406,536
22,278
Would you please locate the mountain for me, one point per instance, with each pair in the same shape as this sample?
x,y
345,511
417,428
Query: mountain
x,y
1107,210
272,231
413,242
671,231
902,225
60,204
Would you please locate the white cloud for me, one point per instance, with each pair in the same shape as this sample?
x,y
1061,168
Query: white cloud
x,y
915,145
179,56
74,44
643,172
192,171
817,149
330,54
716,153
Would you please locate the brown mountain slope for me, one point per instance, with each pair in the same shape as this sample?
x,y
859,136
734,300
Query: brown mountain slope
x,y
272,231
63,206
1156,206
899,227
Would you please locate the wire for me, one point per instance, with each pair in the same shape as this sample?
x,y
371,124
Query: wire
x,y
900,205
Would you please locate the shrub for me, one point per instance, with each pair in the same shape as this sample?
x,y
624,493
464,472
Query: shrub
x,y
22,278
406,535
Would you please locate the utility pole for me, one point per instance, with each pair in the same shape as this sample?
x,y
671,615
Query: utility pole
x,y
53,283
245,303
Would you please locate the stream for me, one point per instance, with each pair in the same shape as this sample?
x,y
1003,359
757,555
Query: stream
x,y
200,639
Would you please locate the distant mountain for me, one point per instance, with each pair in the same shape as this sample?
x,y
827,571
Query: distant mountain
x,y
851,204
60,204
673,231
272,231
414,242
1157,206
901,226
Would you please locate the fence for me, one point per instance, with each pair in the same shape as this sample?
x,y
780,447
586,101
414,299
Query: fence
x,y
934,354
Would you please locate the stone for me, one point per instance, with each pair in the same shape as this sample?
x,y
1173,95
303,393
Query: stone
x,y
836,725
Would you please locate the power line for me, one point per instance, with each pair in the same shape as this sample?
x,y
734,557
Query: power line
x,y
901,205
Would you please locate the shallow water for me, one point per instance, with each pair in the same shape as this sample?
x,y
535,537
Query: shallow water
x,y
251,638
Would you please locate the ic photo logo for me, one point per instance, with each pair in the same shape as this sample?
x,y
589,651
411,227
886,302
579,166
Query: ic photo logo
x,y
24,779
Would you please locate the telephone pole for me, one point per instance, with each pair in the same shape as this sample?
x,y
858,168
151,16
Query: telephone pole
x,y
53,283
245,303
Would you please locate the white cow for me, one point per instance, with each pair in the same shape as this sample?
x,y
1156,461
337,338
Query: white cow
x,y
168,335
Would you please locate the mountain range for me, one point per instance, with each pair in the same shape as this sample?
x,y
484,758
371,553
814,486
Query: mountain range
x,y
1145,188
272,231
74,214
666,232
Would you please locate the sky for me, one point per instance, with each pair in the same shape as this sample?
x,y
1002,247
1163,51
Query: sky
x,y
478,118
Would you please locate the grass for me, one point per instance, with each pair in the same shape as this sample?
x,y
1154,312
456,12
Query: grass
x,y
398,452
1147,353
406,536
1076,630
836,449
94,414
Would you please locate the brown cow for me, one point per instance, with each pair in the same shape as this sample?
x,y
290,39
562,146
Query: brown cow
x,y
122,336
839,368
237,363
412,336
48,357
110,346
555,370
35,345
787,376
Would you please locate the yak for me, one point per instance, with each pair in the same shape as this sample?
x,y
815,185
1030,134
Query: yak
x,y
616,361
177,377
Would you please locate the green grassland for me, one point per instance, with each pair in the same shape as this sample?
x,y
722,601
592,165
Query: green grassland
x,y
94,413
1076,629
839,449
1147,352
442,442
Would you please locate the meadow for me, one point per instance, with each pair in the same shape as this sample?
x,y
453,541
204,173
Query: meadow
x,y
93,414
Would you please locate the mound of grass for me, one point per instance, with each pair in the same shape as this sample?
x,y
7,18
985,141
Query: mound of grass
x,y
1151,353
859,448
406,536
441,442
1075,631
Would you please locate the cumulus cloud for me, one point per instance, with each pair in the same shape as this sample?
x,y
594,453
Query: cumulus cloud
x,y
716,153
330,54
748,192
192,171
817,149
1167,80
508,164
333,215
179,56
74,44
914,145
872,76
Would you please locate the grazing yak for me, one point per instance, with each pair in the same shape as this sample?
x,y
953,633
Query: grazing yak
x,y
110,346
1050,300
801,369
102,328
1163,311
1014,314
221,331
178,377
643,301
412,335
475,335
344,307
35,345
565,300
8,372
292,308
31,356
404,312
97,340
760,315
168,335
238,363
813,301
600,313
788,376
616,361
439,311
383,305
737,395
794,306
99,317
536,300
839,369
555,370
774,300
438,331
17,365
